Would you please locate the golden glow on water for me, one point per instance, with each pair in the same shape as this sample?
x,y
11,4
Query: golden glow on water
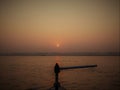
x,y
58,60
58,45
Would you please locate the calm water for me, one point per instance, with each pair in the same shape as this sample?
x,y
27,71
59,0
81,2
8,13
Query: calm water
x,y
25,72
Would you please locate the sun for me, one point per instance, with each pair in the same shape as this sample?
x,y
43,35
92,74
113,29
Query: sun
x,y
57,45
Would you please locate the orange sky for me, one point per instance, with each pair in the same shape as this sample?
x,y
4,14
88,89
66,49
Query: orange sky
x,y
76,25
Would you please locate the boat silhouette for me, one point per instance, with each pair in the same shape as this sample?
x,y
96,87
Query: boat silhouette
x,y
57,70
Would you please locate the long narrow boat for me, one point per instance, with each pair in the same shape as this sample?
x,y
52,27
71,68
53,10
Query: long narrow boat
x,y
60,88
57,69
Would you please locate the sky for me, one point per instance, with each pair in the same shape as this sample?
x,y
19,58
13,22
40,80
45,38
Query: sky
x,y
59,26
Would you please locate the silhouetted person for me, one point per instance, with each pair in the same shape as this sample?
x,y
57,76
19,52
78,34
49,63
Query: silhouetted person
x,y
56,70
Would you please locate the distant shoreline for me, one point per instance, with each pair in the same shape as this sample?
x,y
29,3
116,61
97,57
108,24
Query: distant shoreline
x,y
62,54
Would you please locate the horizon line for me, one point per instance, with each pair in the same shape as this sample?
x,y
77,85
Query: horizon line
x,y
60,54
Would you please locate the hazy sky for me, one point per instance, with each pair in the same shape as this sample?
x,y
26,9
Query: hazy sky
x,y
59,26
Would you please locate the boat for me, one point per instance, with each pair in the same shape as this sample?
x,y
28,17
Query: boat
x,y
57,69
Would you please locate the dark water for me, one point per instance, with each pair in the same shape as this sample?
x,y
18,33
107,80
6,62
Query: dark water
x,y
25,72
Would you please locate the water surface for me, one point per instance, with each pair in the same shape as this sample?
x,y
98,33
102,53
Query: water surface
x,y
25,72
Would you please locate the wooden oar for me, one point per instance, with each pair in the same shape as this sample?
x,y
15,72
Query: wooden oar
x,y
76,67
